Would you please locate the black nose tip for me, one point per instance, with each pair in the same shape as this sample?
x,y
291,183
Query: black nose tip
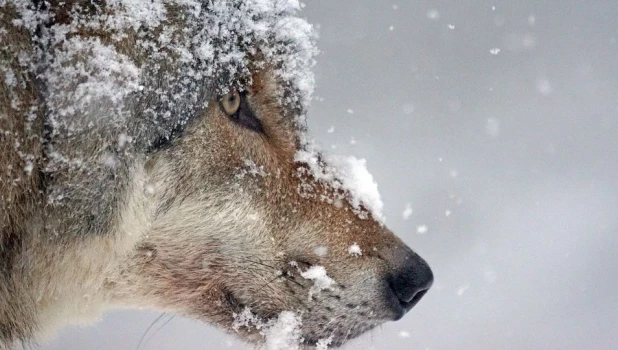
x,y
411,281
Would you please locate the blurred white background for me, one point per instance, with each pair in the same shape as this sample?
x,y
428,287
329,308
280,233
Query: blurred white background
x,y
496,122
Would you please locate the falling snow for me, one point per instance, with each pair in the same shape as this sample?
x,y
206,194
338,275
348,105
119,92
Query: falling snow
x,y
408,108
531,20
462,289
492,127
407,211
544,87
433,15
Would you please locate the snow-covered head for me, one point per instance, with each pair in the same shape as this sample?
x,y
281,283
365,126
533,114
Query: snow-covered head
x,y
175,147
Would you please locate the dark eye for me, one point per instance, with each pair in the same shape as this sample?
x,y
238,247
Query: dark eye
x,y
234,104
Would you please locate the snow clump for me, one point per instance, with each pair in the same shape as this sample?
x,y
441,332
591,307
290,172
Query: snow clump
x,y
355,250
320,279
284,333
281,333
323,344
342,173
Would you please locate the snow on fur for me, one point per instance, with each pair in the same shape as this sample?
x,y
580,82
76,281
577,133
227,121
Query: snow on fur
x,y
219,41
320,279
284,333
94,84
281,333
323,344
342,173
355,250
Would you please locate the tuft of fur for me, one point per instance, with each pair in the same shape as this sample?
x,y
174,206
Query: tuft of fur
x,y
124,184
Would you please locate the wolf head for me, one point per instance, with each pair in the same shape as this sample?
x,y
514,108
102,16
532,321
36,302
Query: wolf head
x,y
176,175
245,222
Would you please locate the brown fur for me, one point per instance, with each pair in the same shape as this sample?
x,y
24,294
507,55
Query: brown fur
x,y
187,228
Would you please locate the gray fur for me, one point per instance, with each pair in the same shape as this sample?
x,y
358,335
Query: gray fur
x,y
126,185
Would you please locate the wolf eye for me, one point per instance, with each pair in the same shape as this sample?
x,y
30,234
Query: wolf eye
x,y
238,109
231,102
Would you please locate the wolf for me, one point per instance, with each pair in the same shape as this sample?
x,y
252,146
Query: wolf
x,y
154,154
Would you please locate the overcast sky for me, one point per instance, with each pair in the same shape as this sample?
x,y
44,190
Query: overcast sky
x,y
496,122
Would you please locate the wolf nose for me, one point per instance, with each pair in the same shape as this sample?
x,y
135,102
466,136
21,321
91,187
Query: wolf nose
x,y
411,281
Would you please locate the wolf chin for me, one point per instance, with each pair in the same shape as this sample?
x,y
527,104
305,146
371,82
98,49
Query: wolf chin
x,y
153,155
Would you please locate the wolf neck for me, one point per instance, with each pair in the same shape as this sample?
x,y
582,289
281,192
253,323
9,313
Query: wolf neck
x,y
64,279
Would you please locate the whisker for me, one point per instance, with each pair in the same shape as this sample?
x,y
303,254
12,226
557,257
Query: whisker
x,y
163,325
148,330
348,332
267,283
291,279
259,263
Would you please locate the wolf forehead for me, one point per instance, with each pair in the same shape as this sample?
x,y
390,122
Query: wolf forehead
x,y
160,61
